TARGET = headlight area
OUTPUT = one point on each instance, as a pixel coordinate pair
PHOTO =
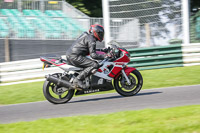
(128, 55)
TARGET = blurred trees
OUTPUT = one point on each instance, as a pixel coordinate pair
(194, 4)
(161, 16)
(194, 21)
(92, 8)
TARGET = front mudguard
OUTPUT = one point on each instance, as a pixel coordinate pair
(127, 70)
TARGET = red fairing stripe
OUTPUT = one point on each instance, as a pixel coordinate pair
(124, 58)
(60, 64)
(53, 60)
(43, 60)
(115, 71)
(99, 70)
(128, 70)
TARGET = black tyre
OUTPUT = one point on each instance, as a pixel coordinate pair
(124, 89)
(57, 94)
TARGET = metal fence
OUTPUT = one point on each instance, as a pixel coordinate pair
(42, 5)
(9, 5)
(23, 27)
(28, 19)
(62, 27)
(32, 4)
(153, 22)
(135, 23)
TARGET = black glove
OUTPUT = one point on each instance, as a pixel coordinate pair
(105, 49)
(109, 55)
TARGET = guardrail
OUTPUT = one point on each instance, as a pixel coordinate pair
(156, 57)
(191, 54)
(141, 58)
(24, 70)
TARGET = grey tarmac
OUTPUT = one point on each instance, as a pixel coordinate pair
(102, 103)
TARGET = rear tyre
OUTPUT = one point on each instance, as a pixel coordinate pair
(57, 94)
(122, 87)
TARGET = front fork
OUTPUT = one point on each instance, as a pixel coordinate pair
(126, 77)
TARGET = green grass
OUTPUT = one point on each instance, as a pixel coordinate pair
(179, 76)
(21, 93)
(184, 119)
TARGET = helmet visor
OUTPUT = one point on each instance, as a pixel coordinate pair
(101, 34)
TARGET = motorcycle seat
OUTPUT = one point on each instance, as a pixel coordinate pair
(64, 61)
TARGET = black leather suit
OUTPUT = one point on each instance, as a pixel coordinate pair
(76, 54)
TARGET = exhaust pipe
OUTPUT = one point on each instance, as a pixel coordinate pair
(58, 81)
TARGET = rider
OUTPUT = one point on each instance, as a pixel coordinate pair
(83, 46)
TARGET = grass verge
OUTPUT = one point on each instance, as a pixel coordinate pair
(179, 76)
(184, 119)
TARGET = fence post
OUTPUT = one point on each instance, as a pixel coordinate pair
(106, 20)
(185, 20)
(19, 5)
(148, 35)
(42, 6)
(7, 50)
(63, 5)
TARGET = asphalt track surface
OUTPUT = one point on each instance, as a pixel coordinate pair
(102, 103)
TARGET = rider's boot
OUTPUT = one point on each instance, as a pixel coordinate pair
(78, 81)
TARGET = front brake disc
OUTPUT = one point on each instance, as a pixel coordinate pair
(129, 87)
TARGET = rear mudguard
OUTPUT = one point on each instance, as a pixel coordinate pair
(127, 70)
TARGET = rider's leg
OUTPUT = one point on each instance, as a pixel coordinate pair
(89, 66)
(78, 81)
(83, 74)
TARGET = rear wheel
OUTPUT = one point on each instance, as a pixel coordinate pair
(124, 89)
(57, 94)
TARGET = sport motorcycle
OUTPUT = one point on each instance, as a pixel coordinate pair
(113, 73)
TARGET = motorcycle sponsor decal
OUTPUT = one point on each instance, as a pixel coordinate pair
(100, 81)
(91, 91)
(119, 63)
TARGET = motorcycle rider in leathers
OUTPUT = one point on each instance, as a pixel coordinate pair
(83, 46)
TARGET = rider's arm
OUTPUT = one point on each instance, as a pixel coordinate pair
(92, 50)
(102, 50)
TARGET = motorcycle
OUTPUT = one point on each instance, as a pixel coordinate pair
(112, 74)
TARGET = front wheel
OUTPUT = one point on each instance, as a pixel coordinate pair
(124, 89)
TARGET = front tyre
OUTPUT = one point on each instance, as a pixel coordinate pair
(57, 94)
(122, 87)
